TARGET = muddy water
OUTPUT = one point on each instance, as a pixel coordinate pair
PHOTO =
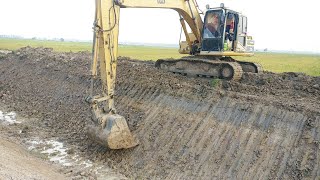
(68, 159)
(8, 118)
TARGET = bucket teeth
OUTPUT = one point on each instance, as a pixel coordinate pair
(114, 133)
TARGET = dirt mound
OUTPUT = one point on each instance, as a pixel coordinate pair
(285, 84)
(266, 125)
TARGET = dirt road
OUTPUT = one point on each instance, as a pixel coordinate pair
(17, 163)
(264, 127)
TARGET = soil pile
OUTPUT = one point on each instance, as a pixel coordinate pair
(265, 126)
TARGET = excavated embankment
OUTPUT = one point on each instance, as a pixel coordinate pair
(266, 126)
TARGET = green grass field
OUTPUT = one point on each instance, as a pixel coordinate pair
(275, 62)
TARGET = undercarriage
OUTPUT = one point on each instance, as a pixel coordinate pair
(218, 67)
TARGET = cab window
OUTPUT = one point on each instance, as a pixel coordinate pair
(242, 25)
(212, 25)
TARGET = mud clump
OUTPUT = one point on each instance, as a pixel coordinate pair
(266, 125)
(284, 84)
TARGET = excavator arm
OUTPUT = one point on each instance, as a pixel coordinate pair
(187, 9)
(111, 129)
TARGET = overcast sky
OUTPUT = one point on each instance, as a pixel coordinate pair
(274, 24)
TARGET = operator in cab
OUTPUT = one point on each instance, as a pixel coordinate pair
(211, 28)
(230, 27)
(229, 36)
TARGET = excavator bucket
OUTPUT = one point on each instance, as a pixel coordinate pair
(113, 133)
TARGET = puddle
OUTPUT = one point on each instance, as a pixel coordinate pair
(57, 152)
(54, 150)
(5, 51)
(8, 118)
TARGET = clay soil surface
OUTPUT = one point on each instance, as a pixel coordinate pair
(265, 126)
(17, 163)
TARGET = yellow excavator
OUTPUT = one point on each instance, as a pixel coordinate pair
(212, 42)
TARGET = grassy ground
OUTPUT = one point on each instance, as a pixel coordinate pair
(278, 62)
(13, 44)
(136, 52)
(275, 62)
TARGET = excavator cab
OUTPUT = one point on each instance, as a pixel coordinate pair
(213, 31)
(224, 33)
(212, 44)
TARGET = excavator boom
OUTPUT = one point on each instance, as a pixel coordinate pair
(111, 129)
(106, 31)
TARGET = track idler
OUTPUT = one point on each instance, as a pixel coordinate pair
(112, 131)
(250, 67)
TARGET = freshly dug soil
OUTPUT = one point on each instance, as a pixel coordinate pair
(264, 126)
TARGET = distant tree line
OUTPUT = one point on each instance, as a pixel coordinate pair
(33, 38)
(54, 39)
(10, 36)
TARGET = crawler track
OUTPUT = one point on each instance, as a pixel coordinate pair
(250, 67)
(202, 68)
(224, 68)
